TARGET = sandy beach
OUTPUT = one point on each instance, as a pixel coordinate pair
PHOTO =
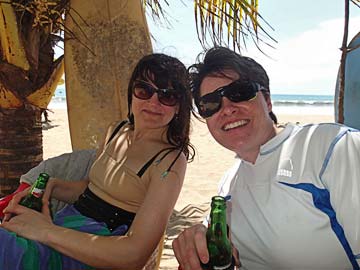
(202, 174)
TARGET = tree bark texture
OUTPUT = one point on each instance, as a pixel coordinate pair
(20, 145)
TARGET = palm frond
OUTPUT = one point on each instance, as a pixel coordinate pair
(44, 14)
(156, 9)
(224, 22)
(240, 17)
(356, 3)
(38, 25)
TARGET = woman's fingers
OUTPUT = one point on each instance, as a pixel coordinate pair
(28, 223)
(49, 189)
(9, 210)
(13, 210)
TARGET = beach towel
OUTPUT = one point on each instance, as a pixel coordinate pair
(18, 253)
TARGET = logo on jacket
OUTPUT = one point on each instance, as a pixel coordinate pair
(285, 168)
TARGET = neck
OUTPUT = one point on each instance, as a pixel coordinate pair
(150, 134)
(252, 156)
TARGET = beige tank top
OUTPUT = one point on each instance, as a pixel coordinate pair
(115, 183)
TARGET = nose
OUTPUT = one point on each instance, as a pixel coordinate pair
(227, 107)
(154, 99)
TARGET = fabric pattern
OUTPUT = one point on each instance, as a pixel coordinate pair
(18, 253)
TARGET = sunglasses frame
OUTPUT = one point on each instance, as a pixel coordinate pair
(161, 92)
(234, 91)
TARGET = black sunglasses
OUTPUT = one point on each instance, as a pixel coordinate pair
(143, 90)
(236, 91)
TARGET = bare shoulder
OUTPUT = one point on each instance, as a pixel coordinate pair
(171, 164)
(176, 158)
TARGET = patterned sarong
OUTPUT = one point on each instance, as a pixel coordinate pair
(18, 253)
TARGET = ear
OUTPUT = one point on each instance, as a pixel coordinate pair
(268, 102)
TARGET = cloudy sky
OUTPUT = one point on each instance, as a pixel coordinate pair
(306, 56)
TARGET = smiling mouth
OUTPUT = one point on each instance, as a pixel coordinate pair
(152, 112)
(235, 125)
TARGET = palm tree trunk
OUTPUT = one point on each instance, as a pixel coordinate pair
(29, 74)
(20, 145)
(344, 50)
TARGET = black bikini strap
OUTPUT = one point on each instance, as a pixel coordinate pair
(164, 174)
(147, 164)
(116, 130)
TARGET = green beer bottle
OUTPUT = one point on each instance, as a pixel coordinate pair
(33, 198)
(218, 243)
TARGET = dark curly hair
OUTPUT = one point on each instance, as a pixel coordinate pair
(164, 70)
(219, 59)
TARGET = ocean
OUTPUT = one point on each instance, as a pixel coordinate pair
(282, 103)
(303, 104)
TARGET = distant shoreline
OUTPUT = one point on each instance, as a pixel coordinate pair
(289, 108)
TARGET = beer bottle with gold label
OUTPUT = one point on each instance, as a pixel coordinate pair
(33, 198)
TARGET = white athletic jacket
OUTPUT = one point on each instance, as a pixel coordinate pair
(298, 206)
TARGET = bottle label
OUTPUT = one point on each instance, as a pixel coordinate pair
(222, 267)
(37, 192)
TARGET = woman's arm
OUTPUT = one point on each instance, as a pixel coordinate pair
(65, 191)
(123, 252)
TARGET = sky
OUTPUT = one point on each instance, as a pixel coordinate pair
(306, 57)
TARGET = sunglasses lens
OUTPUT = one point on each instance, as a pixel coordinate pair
(168, 97)
(209, 104)
(143, 91)
(240, 91)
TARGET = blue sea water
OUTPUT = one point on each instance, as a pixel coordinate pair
(60, 92)
(58, 100)
(282, 103)
(303, 104)
(302, 100)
